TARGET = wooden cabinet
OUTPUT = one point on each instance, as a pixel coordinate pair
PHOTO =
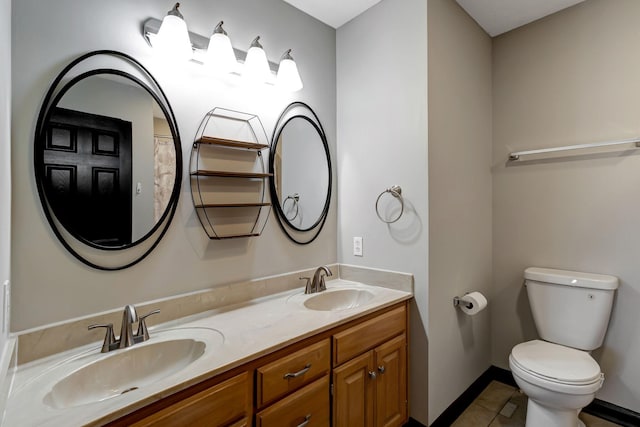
(352, 375)
(226, 404)
(353, 392)
(371, 389)
(391, 382)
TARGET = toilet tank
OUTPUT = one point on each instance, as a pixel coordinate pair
(570, 308)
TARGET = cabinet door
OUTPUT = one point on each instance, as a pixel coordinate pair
(353, 392)
(391, 382)
(225, 404)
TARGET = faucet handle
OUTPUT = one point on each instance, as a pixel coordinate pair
(109, 338)
(142, 326)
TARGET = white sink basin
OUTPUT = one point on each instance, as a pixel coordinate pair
(338, 299)
(124, 371)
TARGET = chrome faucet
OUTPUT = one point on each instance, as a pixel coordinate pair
(127, 337)
(129, 317)
(317, 284)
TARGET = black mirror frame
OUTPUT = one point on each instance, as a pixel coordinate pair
(50, 101)
(284, 223)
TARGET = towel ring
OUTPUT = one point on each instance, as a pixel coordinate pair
(396, 192)
(295, 198)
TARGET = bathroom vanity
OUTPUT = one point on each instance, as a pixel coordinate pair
(359, 369)
(336, 357)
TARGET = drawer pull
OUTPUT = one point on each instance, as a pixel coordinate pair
(381, 369)
(299, 373)
(305, 422)
(372, 375)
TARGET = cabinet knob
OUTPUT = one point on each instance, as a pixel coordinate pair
(372, 375)
(381, 369)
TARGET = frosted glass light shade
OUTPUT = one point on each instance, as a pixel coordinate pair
(220, 54)
(288, 77)
(173, 40)
(256, 67)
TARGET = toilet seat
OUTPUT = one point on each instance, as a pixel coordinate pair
(556, 367)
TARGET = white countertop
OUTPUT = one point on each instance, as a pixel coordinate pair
(237, 334)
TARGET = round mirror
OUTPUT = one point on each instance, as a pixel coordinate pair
(108, 162)
(301, 167)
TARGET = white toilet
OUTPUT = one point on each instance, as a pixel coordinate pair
(571, 311)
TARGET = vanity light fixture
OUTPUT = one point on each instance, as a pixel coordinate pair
(220, 54)
(256, 66)
(173, 37)
(288, 77)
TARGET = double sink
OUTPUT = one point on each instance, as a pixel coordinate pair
(173, 355)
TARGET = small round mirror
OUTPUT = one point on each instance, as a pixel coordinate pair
(301, 167)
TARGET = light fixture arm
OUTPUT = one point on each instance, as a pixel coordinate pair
(175, 11)
(286, 55)
(256, 43)
(219, 29)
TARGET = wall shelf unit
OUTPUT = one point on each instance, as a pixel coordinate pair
(229, 175)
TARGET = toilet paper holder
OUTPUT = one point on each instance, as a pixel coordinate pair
(460, 301)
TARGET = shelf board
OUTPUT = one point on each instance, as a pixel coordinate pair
(234, 236)
(232, 205)
(230, 143)
(225, 174)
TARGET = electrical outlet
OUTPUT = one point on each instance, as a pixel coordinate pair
(357, 246)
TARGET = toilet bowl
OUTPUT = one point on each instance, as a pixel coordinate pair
(558, 380)
(571, 311)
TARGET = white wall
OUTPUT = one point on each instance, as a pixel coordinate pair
(5, 160)
(460, 143)
(47, 36)
(382, 141)
(567, 79)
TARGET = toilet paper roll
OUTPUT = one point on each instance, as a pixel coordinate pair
(476, 299)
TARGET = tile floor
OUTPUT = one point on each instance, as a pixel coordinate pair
(501, 405)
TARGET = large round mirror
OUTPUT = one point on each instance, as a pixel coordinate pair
(108, 163)
(301, 167)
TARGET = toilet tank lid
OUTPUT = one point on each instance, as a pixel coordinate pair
(571, 278)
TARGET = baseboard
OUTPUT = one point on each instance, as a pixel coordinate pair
(599, 408)
(614, 413)
(466, 398)
(413, 423)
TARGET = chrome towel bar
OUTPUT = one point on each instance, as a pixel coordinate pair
(516, 155)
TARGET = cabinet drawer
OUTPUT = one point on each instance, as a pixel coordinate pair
(308, 405)
(225, 404)
(289, 373)
(366, 335)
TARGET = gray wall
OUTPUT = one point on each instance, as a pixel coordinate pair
(460, 139)
(50, 285)
(5, 159)
(570, 78)
(382, 141)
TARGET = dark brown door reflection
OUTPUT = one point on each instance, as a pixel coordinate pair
(87, 171)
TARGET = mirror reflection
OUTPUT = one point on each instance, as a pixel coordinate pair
(109, 161)
(301, 173)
